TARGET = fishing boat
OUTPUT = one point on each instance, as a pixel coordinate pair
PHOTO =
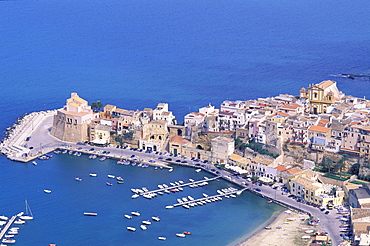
(78, 179)
(131, 228)
(119, 178)
(187, 232)
(111, 176)
(109, 184)
(28, 215)
(3, 217)
(120, 182)
(34, 163)
(90, 214)
(146, 222)
(162, 238)
(180, 235)
(155, 218)
(93, 174)
(128, 216)
(47, 191)
(135, 213)
(143, 227)
(198, 170)
(169, 207)
(103, 158)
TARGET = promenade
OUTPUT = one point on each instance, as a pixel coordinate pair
(31, 139)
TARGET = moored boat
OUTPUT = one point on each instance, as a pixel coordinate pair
(155, 218)
(143, 227)
(90, 214)
(78, 179)
(47, 191)
(130, 228)
(162, 238)
(28, 215)
(128, 216)
(180, 235)
(187, 232)
(109, 184)
(146, 222)
(111, 176)
(93, 174)
(135, 213)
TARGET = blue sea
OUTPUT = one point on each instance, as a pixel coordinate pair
(135, 54)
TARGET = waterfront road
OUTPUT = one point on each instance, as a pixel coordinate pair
(42, 142)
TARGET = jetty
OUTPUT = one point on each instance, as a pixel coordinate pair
(353, 76)
(209, 198)
(176, 186)
(7, 226)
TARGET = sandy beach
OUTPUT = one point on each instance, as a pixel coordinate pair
(286, 229)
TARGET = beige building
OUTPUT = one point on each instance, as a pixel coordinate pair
(222, 148)
(178, 145)
(154, 136)
(71, 123)
(100, 134)
(321, 96)
(311, 190)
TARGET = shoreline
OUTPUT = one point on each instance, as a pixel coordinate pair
(260, 229)
(287, 234)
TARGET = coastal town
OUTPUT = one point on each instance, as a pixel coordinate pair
(309, 152)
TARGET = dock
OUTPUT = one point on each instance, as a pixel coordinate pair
(7, 226)
(237, 192)
(178, 185)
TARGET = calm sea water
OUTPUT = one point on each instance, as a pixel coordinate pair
(135, 54)
(59, 216)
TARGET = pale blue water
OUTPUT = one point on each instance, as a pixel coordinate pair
(137, 53)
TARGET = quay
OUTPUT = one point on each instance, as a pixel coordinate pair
(7, 226)
(237, 192)
(179, 185)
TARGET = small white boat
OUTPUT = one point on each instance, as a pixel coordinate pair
(103, 158)
(111, 176)
(28, 215)
(34, 163)
(135, 213)
(185, 206)
(90, 214)
(135, 196)
(93, 174)
(162, 238)
(146, 222)
(169, 207)
(8, 240)
(47, 191)
(78, 179)
(170, 170)
(180, 235)
(155, 218)
(2, 223)
(198, 170)
(19, 222)
(131, 228)
(119, 178)
(143, 227)
(128, 216)
(9, 236)
(3, 217)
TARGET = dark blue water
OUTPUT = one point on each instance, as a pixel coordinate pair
(59, 216)
(135, 54)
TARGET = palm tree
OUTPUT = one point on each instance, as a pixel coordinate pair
(342, 163)
(327, 164)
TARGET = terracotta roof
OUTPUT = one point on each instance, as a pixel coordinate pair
(280, 168)
(283, 114)
(302, 89)
(319, 129)
(293, 170)
(179, 140)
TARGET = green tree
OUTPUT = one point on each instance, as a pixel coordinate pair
(327, 164)
(128, 135)
(355, 168)
(342, 163)
(96, 106)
